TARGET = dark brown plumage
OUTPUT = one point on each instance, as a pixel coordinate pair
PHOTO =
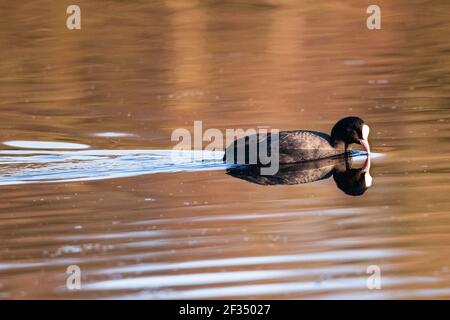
(302, 145)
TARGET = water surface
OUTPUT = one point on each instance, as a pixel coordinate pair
(140, 69)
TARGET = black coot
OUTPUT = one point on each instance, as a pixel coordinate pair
(304, 145)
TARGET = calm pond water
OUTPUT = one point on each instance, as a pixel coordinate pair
(139, 226)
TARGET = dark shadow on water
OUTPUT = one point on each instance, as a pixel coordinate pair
(352, 181)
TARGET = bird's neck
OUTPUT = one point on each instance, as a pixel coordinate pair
(340, 146)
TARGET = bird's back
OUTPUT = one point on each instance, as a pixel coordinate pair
(305, 145)
(294, 146)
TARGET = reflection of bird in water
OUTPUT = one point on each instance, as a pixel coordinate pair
(352, 181)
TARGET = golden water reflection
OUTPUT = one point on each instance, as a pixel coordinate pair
(145, 68)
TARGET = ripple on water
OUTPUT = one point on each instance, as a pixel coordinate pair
(113, 134)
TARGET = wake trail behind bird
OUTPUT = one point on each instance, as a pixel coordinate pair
(40, 166)
(49, 166)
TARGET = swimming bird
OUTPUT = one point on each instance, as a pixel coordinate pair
(302, 145)
(352, 181)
